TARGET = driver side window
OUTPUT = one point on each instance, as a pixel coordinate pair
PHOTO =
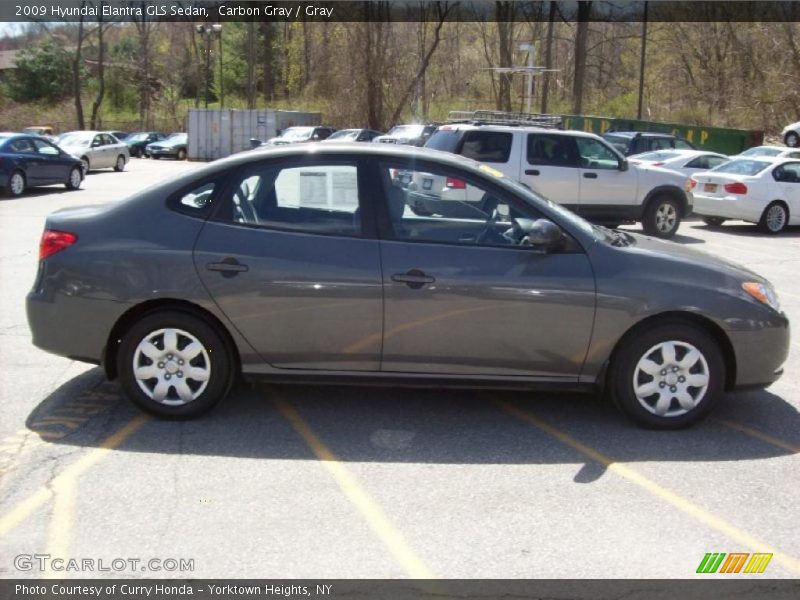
(438, 205)
(594, 155)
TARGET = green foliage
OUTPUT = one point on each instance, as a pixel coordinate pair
(42, 73)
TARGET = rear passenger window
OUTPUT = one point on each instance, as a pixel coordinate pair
(23, 145)
(487, 146)
(553, 150)
(314, 198)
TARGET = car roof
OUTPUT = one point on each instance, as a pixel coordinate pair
(513, 128)
(632, 134)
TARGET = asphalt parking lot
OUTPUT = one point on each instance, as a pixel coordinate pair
(336, 482)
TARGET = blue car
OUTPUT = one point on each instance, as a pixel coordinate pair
(29, 160)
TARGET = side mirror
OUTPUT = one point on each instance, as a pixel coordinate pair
(623, 165)
(255, 143)
(542, 234)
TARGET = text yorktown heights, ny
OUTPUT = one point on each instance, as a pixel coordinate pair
(172, 590)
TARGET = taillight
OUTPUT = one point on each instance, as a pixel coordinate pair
(735, 188)
(55, 241)
(690, 184)
(455, 184)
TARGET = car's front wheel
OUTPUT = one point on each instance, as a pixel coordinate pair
(181, 154)
(662, 217)
(792, 139)
(668, 377)
(74, 179)
(174, 364)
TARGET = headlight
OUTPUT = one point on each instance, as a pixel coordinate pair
(762, 292)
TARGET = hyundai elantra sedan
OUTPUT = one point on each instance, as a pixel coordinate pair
(306, 264)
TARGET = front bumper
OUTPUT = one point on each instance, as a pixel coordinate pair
(761, 352)
(168, 152)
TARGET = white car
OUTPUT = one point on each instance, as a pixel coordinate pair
(769, 152)
(96, 149)
(687, 162)
(758, 190)
(791, 135)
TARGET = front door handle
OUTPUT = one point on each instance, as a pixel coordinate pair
(228, 266)
(531, 171)
(414, 279)
(590, 175)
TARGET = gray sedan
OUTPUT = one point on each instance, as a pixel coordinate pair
(96, 149)
(306, 264)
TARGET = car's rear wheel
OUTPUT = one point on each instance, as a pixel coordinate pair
(792, 139)
(775, 218)
(173, 364)
(662, 217)
(120, 164)
(713, 221)
(87, 166)
(154, 156)
(74, 179)
(16, 184)
(181, 154)
(668, 377)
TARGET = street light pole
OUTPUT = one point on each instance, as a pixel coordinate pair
(208, 32)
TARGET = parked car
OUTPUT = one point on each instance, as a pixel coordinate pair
(769, 152)
(96, 149)
(791, 135)
(638, 142)
(761, 190)
(578, 170)
(304, 264)
(30, 160)
(120, 135)
(686, 162)
(137, 142)
(172, 147)
(353, 135)
(297, 135)
(42, 130)
(413, 134)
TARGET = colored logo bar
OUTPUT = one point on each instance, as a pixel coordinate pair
(735, 562)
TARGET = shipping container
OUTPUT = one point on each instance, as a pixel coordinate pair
(715, 139)
(217, 133)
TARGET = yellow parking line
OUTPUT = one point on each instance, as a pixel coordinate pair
(655, 489)
(760, 435)
(367, 506)
(66, 493)
(24, 509)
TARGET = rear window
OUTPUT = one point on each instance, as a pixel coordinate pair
(759, 151)
(742, 167)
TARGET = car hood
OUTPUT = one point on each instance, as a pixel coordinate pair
(691, 258)
(792, 126)
(661, 174)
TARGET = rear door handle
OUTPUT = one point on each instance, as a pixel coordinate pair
(590, 175)
(414, 279)
(531, 172)
(227, 266)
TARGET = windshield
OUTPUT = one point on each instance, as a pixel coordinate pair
(76, 139)
(620, 143)
(297, 133)
(742, 167)
(762, 151)
(136, 137)
(406, 131)
(345, 134)
(659, 155)
(177, 138)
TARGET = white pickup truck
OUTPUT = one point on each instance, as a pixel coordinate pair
(578, 170)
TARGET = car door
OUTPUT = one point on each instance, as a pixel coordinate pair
(607, 186)
(463, 297)
(550, 168)
(29, 159)
(787, 178)
(111, 149)
(97, 153)
(54, 167)
(290, 261)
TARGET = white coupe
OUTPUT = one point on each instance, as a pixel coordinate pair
(687, 162)
(758, 190)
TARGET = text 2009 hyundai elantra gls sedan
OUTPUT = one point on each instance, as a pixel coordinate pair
(305, 264)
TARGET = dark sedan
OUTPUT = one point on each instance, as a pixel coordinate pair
(305, 264)
(30, 160)
(137, 142)
(172, 147)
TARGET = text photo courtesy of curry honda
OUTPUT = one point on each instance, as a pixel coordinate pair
(399, 299)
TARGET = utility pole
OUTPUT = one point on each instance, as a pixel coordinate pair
(641, 64)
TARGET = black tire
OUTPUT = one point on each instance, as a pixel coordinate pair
(181, 154)
(14, 188)
(139, 153)
(713, 221)
(119, 165)
(74, 178)
(637, 347)
(771, 220)
(154, 157)
(215, 359)
(792, 139)
(662, 217)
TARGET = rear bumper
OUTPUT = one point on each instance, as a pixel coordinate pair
(728, 207)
